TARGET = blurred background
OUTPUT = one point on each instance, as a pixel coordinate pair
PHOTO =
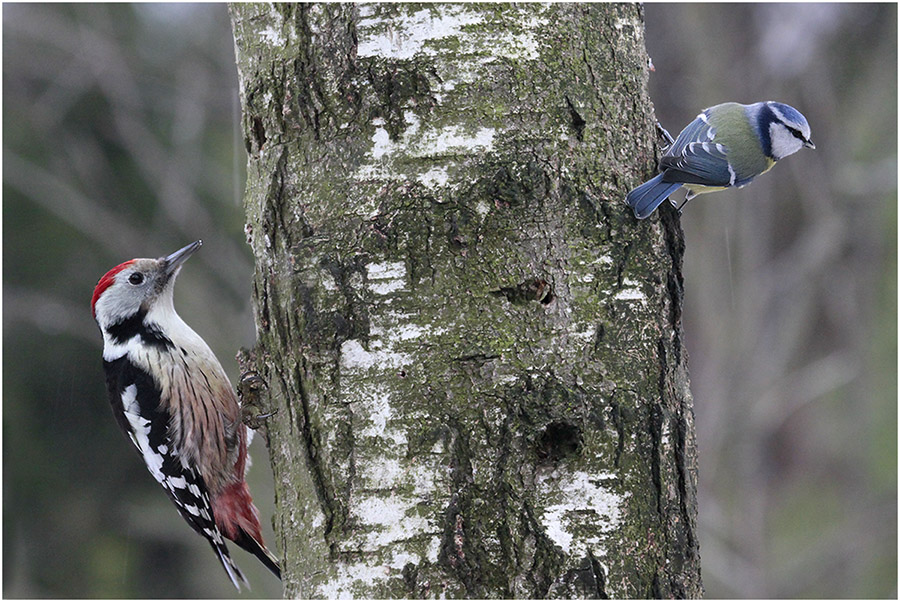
(121, 138)
(790, 310)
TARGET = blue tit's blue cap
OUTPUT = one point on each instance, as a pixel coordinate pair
(789, 113)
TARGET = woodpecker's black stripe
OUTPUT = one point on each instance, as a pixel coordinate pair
(128, 328)
(147, 425)
(120, 374)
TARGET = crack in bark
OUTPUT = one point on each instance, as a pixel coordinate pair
(599, 578)
(304, 428)
(655, 429)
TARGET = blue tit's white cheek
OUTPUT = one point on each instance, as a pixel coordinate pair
(784, 143)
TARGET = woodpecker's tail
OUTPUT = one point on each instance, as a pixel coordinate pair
(237, 518)
(648, 196)
(234, 573)
(258, 549)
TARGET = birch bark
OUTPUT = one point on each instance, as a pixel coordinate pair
(473, 348)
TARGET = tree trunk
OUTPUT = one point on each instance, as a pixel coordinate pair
(472, 347)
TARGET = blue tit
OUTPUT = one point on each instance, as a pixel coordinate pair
(726, 145)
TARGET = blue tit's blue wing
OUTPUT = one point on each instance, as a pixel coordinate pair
(703, 163)
(698, 130)
(695, 158)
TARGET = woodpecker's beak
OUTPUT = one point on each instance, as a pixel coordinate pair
(173, 262)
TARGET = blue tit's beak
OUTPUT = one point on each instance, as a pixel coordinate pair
(809, 144)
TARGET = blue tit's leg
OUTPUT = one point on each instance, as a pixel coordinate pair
(665, 135)
(687, 197)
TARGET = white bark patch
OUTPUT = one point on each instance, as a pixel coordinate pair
(387, 157)
(404, 332)
(359, 574)
(328, 282)
(524, 45)
(453, 137)
(585, 336)
(630, 294)
(434, 177)
(405, 36)
(580, 511)
(389, 520)
(482, 208)
(272, 37)
(381, 143)
(355, 357)
(375, 407)
(387, 277)
(417, 142)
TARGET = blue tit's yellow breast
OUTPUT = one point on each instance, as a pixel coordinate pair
(695, 189)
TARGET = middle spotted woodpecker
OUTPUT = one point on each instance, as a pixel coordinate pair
(172, 398)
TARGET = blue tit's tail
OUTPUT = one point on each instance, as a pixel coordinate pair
(647, 197)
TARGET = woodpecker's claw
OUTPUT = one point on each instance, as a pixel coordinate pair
(252, 382)
(255, 422)
(250, 390)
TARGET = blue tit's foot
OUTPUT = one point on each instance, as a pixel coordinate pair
(662, 131)
(687, 198)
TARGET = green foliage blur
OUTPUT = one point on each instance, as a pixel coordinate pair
(121, 138)
(791, 299)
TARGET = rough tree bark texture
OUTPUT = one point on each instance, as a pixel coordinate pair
(473, 348)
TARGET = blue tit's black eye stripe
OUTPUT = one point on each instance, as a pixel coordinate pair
(797, 133)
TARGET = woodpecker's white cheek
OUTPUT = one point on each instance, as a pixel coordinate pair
(118, 300)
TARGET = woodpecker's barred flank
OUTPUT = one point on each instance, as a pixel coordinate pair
(171, 397)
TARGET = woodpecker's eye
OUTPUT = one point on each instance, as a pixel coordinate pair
(136, 278)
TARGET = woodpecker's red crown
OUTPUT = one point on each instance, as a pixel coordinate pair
(105, 282)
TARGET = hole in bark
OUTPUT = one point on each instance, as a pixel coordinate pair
(559, 440)
(578, 121)
(259, 132)
(530, 290)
